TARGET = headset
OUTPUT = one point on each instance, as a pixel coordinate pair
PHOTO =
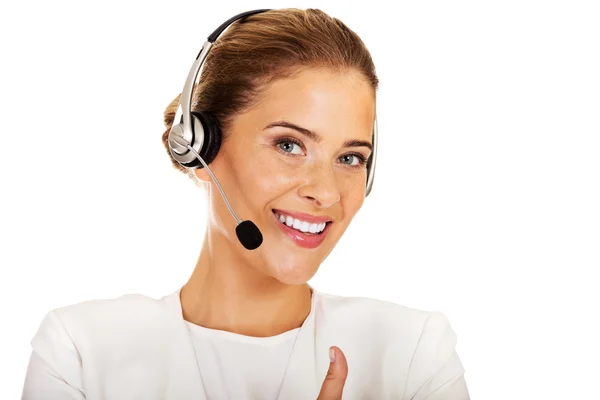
(195, 141)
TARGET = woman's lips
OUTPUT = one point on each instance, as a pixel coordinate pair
(304, 217)
(302, 240)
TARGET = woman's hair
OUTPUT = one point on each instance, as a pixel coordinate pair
(263, 47)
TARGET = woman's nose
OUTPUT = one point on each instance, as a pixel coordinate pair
(321, 187)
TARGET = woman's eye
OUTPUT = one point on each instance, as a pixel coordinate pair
(290, 147)
(352, 159)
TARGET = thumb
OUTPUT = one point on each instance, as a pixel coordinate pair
(333, 385)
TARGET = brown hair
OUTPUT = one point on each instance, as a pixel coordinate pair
(267, 46)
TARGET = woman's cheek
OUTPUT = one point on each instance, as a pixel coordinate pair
(276, 176)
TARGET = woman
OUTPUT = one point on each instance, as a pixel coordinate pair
(286, 109)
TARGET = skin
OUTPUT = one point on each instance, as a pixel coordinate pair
(264, 292)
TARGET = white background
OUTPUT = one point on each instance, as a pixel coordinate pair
(485, 205)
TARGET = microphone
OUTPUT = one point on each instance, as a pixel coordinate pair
(246, 231)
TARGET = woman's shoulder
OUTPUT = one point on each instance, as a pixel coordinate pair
(115, 311)
(111, 334)
(102, 320)
(119, 306)
(422, 343)
(375, 311)
(427, 333)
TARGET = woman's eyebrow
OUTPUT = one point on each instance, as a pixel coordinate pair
(306, 132)
(316, 137)
(358, 143)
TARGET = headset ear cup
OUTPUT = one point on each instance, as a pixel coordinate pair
(212, 136)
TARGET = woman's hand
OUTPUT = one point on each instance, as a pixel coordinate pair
(333, 385)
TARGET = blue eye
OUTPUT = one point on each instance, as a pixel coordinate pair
(354, 160)
(289, 146)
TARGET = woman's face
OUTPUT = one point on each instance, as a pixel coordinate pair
(298, 155)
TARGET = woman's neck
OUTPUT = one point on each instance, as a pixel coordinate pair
(226, 293)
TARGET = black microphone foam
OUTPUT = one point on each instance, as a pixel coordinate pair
(249, 235)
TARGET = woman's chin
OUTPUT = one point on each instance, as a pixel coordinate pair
(293, 274)
(290, 262)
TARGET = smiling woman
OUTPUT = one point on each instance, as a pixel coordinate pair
(300, 131)
(297, 90)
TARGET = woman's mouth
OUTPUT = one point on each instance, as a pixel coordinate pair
(306, 234)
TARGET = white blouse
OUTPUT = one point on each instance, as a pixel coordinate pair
(245, 367)
(136, 347)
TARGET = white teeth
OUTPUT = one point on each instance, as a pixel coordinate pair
(300, 225)
(304, 226)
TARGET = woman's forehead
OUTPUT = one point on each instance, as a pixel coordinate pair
(319, 100)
